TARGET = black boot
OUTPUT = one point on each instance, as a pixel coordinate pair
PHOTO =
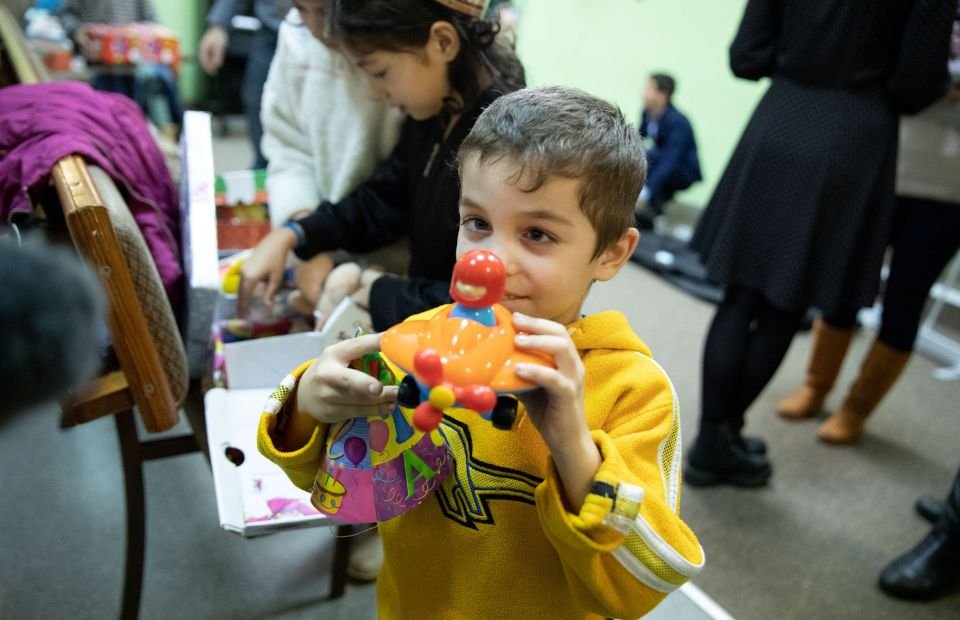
(717, 457)
(930, 508)
(932, 568)
(928, 571)
(753, 445)
(749, 443)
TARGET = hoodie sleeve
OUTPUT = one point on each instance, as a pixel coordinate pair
(299, 462)
(627, 548)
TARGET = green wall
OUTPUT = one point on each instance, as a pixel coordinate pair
(608, 47)
(186, 18)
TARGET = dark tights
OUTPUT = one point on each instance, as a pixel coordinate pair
(745, 345)
(926, 235)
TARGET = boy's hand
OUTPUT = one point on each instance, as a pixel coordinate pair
(557, 410)
(331, 391)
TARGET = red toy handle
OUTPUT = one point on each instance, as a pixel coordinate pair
(428, 366)
(426, 417)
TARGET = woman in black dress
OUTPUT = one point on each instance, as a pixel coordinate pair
(803, 211)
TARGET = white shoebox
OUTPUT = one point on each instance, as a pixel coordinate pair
(254, 496)
(199, 237)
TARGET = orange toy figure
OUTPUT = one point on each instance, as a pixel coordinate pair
(463, 355)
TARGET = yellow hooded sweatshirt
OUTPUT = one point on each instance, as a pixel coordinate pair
(496, 540)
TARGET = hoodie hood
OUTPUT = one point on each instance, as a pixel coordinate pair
(606, 330)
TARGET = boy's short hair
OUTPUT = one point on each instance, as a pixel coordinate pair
(665, 84)
(560, 131)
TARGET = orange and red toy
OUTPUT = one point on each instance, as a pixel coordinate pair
(464, 355)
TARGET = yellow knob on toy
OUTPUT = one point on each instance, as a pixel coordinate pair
(442, 397)
(231, 278)
(231, 283)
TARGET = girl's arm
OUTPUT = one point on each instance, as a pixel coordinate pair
(394, 299)
(371, 216)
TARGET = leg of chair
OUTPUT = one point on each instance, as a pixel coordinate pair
(341, 557)
(136, 514)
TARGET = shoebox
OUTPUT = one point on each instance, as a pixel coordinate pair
(254, 496)
(124, 44)
(199, 237)
(243, 212)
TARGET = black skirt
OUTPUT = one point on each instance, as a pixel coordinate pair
(803, 211)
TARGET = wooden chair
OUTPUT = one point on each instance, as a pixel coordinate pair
(152, 377)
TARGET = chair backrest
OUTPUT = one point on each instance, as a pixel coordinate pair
(153, 365)
(17, 64)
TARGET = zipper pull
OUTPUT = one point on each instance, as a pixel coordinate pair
(433, 155)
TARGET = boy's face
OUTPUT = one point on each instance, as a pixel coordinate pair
(543, 238)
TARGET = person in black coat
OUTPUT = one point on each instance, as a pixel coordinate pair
(802, 213)
(672, 152)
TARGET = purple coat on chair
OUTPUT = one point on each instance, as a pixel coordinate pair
(42, 123)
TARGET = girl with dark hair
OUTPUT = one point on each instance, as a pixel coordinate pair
(440, 64)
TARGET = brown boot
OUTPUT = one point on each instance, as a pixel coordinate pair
(880, 370)
(826, 356)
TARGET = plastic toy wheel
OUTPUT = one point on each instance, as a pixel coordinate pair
(504, 413)
(409, 392)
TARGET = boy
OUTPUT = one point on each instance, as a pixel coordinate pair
(574, 513)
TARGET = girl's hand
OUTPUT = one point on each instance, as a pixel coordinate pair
(264, 267)
(361, 296)
(557, 409)
(342, 282)
(331, 391)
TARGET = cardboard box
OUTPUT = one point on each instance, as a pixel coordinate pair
(253, 495)
(123, 44)
(199, 236)
(243, 216)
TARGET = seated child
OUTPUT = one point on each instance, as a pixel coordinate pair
(574, 513)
